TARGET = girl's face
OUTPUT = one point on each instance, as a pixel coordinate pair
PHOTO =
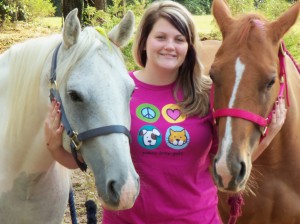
(166, 47)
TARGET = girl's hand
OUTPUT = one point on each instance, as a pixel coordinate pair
(53, 135)
(53, 128)
(278, 119)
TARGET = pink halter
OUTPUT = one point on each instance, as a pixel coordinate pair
(248, 115)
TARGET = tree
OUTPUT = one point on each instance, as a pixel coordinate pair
(100, 4)
(69, 5)
(57, 4)
(240, 6)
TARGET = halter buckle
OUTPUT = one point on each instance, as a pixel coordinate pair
(75, 141)
(53, 85)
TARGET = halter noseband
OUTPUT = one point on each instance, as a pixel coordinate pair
(250, 116)
(77, 139)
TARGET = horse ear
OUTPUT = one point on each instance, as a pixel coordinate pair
(222, 14)
(122, 32)
(71, 29)
(280, 26)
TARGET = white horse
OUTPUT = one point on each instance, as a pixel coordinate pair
(95, 90)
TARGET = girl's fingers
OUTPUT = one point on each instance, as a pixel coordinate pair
(277, 110)
(282, 104)
(274, 116)
(60, 129)
(282, 110)
(279, 113)
(54, 111)
(56, 121)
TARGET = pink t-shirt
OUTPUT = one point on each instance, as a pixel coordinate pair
(171, 153)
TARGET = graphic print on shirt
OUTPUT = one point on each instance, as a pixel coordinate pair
(172, 114)
(177, 137)
(149, 137)
(148, 113)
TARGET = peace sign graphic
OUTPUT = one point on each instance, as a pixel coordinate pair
(147, 112)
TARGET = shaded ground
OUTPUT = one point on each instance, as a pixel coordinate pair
(18, 33)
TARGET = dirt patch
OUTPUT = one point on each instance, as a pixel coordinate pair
(83, 191)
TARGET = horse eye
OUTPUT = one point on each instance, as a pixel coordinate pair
(271, 83)
(75, 96)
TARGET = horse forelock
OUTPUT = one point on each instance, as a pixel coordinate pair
(245, 27)
(87, 38)
(75, 53)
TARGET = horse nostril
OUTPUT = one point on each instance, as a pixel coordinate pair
(242, 173)
(113, 192)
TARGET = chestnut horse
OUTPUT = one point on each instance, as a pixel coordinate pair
(248, 75)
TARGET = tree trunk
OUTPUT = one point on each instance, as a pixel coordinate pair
(69, 5)
(100, 4)
(124, 6)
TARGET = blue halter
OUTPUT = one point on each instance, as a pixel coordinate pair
(77, 139)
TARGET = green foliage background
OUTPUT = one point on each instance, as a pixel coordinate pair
(27, 10)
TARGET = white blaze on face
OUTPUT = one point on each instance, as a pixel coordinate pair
(221, 166)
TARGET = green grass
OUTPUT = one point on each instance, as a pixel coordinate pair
(54, 23)
(204, 23)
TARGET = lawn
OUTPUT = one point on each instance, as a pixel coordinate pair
(204, 23)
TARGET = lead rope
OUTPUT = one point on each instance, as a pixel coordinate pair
(72, 207)
(91, 212)
(235, 201)
(91, 209)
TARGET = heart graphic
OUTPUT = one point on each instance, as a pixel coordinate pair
(173, 114)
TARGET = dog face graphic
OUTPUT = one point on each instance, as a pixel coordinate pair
(149, 137)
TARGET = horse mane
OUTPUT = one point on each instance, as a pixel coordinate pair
(246, 24)
(26, 63)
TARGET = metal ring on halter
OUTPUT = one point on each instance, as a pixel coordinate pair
(75, 141)
(53, 85)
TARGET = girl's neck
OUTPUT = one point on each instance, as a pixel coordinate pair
(158, 77)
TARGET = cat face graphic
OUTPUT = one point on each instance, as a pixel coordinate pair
(177, 137)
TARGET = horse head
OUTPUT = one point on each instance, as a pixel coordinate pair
(247, 82)
(95, 90)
